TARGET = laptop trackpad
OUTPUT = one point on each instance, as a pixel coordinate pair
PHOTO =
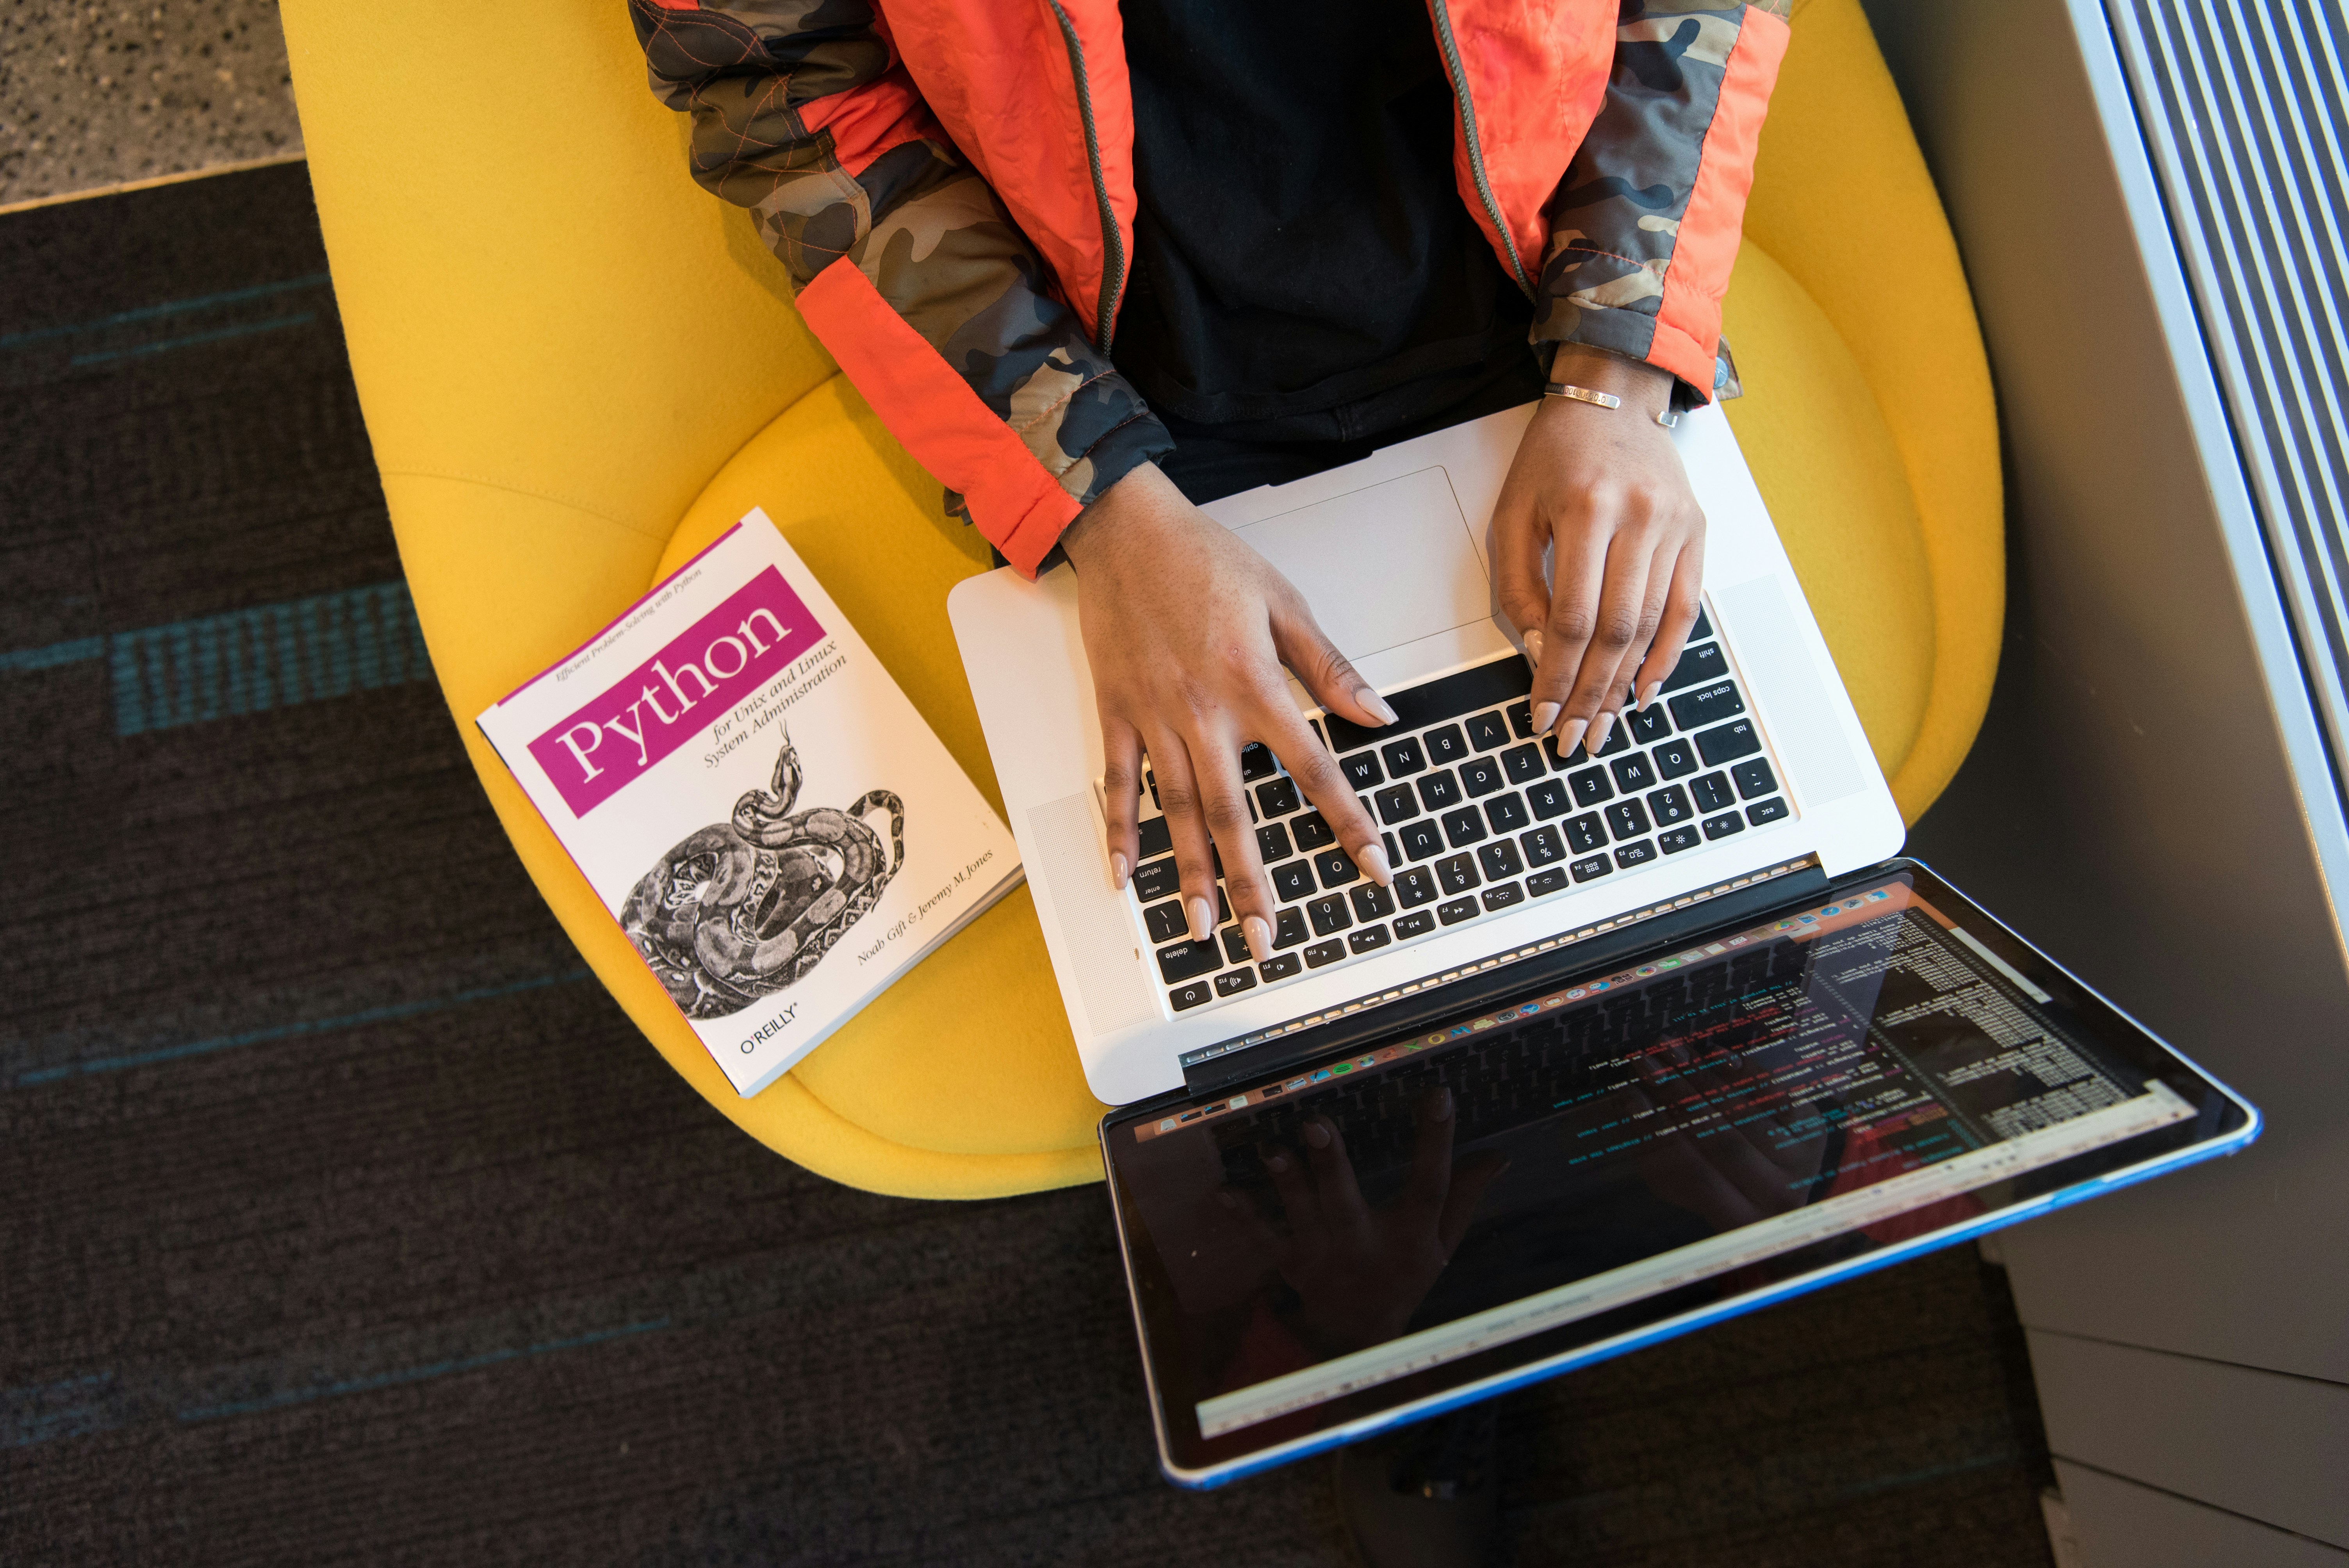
(1382, 566)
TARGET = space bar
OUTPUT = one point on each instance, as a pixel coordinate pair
(1504, 679)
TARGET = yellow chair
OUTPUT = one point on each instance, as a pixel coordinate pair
(577, 367)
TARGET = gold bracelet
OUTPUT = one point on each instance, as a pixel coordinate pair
(1668, 419)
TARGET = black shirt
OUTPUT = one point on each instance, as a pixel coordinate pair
(1304, 269)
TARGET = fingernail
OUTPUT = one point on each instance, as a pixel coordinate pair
(1376, 704)
(1597, 736)
(1203, 919)
(1276, 1164)
(1316, 1135)
(1443, 1109)
(1226, 1200)
(1534, 648)
(1258, 936)
(1570, 736)
(1373, 859)
(1117, 871)
(1544, 715)
(1649, 695)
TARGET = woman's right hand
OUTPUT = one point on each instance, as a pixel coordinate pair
(1186, 629)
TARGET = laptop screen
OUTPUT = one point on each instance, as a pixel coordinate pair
(1589, 1161)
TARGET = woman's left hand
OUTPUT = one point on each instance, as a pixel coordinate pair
(1603, 489)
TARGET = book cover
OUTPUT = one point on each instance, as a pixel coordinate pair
(754, 801)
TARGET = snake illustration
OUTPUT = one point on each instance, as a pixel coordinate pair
(743, 908)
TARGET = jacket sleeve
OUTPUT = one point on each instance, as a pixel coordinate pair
(905, 264)
(1644, 227)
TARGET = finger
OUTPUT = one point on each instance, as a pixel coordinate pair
(1597, 697)
(1321, 669)
(1431, 1152)
(1241, 1211)
(1223, 806)
(1297, 1198)
(1333, 1176)
(1121, 797)
(1469, 1184)
(1178, 797)
(1655, 589)
(1580, 566)
(1323, 782)
(1519, 538)
(1682, 602)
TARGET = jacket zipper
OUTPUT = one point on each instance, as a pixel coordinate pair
(1113, 283)
(1468, 125)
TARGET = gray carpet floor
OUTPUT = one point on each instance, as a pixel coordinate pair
(346, 1220)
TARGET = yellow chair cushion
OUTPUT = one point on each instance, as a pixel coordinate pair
(576, 367)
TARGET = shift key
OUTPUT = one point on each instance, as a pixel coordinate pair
(1707, 704)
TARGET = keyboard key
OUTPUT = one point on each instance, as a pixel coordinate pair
(1500, 860)
(1763, 811)
(1541, 885)
(1480, 776)
(1703, 627)
(1465, 826)
(1411, 926)
(1362, 769)
(1439, 790)
(1322, 952)
(1523, 764)
(1593, 866)
(1150, 782)
(1319, 734)
(1396, 803)
(1502, 897)
(1272, 843)
(1365, 940)
(1521, 719)
(1542, 846)
(1677, 758)
(1627, 821)
(1590, 786)
(1648, 724)
(1189, 960)
(1311, 830)
(1445, 744)
(1697, 666)
(1422, 839)
(1632, 773)
(1617, 740)
(1394, 852)
(1372, 902)
(1223, 904)
(1280, 968)
(1157, 880)
(1754, 779)
(1670, 806)
(1403, 757)
(1711, 792)
(1558, 764)
(1453, 873)
(1548, 798)
(1583, 833)
(1232, 982)
(1165, 921)
(1721, 827)
(1638, 854)
(1235, 945)
(1706, 705)
(1415, 887)
(1328, 915)
(1458, 910)
(1156, 837)
(1257, 762)
(1288, 927)
(1277, 797)
(1190, 996)
(1507, 812)
(1337, 867)
(1679, 838)
(1486, 731)
(1292, 880)
(1728, 743)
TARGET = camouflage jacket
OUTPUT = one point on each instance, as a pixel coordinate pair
(972, 162)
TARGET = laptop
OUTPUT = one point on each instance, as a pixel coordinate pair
(1634, 1041)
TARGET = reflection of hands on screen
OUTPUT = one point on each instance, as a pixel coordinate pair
(1746, 1168)
(1360, 1273)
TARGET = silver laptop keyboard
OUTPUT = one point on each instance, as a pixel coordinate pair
(1479, 817)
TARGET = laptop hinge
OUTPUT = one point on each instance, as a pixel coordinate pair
(1402, 1009)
